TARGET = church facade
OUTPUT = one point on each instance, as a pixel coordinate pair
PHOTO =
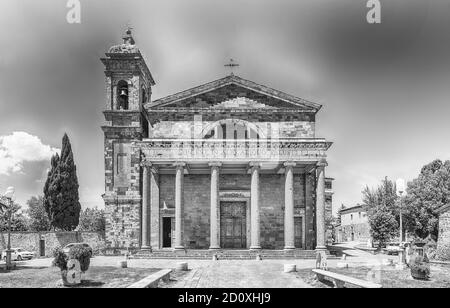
(230, 164)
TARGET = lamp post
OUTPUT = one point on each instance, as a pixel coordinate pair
(9, 195)
(401, 192)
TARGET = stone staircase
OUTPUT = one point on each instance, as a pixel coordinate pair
(225, 254)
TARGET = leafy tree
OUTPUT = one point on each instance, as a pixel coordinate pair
(18, 221)
(92, 220)
(383, 211)
(61, 199)
(38, 216)
(384, 194)
(425, 194)
(383, 225)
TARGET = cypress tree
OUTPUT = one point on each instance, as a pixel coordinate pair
(61, 198)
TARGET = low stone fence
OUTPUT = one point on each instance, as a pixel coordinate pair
(43, 243)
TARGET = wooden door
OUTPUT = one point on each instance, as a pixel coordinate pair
(42, 248)
(233, 227)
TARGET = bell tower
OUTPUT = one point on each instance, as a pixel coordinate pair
(128, 88)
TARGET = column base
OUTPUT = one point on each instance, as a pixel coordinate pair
(179, 248)
(214, 248)
(321, 248)
(289, 248)
(146, 248)
(253, 248)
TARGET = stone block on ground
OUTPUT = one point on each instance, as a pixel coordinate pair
(122, 264)
(182, 266)
(289, 268)
(387, 262)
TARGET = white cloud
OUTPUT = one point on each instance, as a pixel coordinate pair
(20, 147)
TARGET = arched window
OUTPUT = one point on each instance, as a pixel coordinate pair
(122, 95)
(231, 129)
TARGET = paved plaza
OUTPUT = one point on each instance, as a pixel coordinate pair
(223, 273)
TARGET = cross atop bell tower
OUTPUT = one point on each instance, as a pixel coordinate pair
(128, 37)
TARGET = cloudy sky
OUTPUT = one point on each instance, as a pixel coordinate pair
(384, 88)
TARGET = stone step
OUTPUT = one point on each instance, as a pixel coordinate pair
(225, 254)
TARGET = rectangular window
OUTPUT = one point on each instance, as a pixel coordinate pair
(224, 131)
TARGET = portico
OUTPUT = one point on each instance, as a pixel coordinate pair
(235, 218)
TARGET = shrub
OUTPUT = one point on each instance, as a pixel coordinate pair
(443, 252)
(60, 259)
(420, 267)
(99, 249)
(82, 254)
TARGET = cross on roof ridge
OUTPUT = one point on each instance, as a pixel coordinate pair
(231, 66)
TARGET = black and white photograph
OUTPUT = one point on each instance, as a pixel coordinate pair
(220, 150)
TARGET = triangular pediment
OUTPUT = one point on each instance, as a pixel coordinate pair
(233, 92)
(242, 103)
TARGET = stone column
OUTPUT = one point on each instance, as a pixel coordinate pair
(214, 221)
(145, 208)
(289, 242)
(254, 207)
(154, 207)
(320, 205)
(179, 177)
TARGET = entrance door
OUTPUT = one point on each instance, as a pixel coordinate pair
(298, 232)
(167, 232)
(42, 248)
(233, 227)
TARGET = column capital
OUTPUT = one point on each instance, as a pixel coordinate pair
(322, 163)
(215, 164)
(290, 164)
(254, 164)
(146, 163)
(149, 166)
(179, 164)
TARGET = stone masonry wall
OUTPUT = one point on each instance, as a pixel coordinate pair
(444, 229)
(361, 232)
(31, 240)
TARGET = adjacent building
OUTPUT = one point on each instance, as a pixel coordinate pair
(229, 164)
(354, 225)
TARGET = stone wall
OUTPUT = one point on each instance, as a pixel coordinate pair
(31, 240)
(361, 232)
(444, 229)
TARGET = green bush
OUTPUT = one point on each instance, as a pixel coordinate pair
(82, 254)
(420, 267)
(60, 259)
(443, 252)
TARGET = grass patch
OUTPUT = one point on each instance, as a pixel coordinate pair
(95, 277)
(389, 277)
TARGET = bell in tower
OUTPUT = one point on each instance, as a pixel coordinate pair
(122, 97)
